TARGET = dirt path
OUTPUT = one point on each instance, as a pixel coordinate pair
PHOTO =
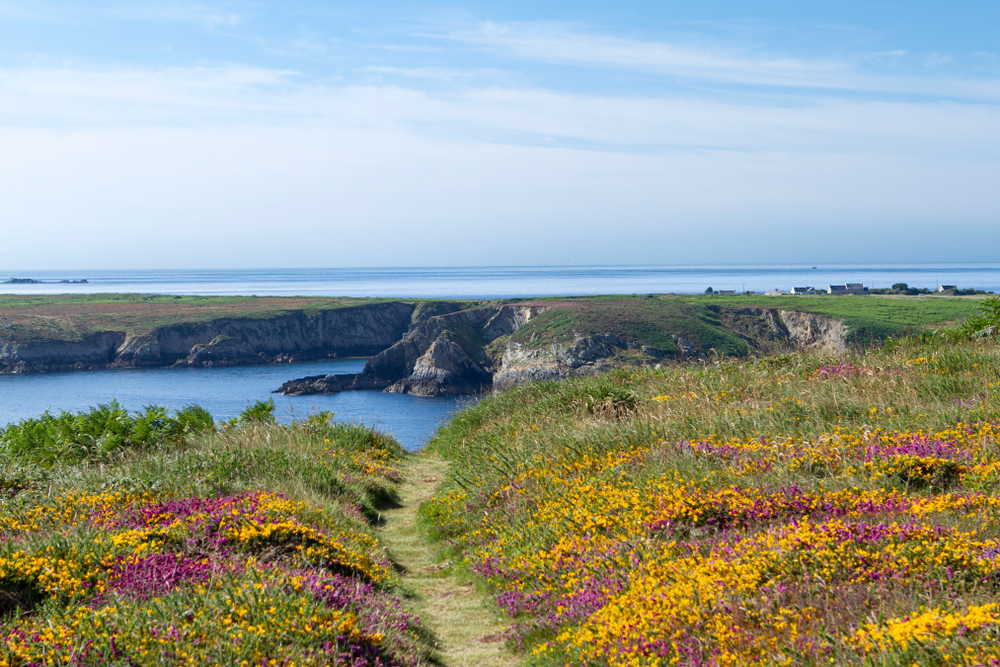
(469, 634)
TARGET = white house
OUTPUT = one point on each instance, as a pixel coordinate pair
(849, 288)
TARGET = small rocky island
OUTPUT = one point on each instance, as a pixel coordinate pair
(32, 281)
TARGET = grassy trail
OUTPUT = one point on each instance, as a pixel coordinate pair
(468, 633)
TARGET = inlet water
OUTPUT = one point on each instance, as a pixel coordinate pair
(225, 392)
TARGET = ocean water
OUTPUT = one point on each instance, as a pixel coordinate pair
(225, 392)
(499, 282)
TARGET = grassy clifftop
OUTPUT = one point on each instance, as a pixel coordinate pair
(708, 321)
(652, 320)
(74, 317)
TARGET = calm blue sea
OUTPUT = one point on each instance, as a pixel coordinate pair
(493, 283)
(226, 391)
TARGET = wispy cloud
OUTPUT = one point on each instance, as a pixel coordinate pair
(489, 113)
(559, 43)
(719, 63)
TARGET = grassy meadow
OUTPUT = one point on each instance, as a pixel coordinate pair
(153, 539)
(789, 510)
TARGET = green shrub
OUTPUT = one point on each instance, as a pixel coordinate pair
(986, 322)
(259, 412)
(98, 433)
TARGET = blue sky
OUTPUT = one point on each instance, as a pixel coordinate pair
(243, 134)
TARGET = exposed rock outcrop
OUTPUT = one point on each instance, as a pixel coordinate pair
(772, 330)
(317, 384)
(360, 330)
(809, 331)
(586, 355)
(464, 352)
(446, 355)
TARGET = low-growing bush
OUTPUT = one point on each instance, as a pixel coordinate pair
(99, 433)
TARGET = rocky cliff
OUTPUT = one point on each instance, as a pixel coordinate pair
(446, 355)
(472, 350)
(774, 330)
(360, 330)
(586, 355)
(96, 351)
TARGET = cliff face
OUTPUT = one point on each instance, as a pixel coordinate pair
(809, 331)
(447, 355)
(465, 352)
(94, 352)
(351, 331)
(773, 330)
(584, 356)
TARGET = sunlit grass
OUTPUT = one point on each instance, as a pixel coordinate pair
(788, 510)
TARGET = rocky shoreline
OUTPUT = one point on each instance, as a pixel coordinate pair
(457, 353)
(439, 348)
(353, 331)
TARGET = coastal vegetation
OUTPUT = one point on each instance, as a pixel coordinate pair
(790, 509)
(246, 543)
(656, 320)
(73, 317)
(730, 509)
(27, 319)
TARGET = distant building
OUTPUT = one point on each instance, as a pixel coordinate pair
(726, 291)
(803, 290)
(947, 288)
(849, 288)
(775, 292)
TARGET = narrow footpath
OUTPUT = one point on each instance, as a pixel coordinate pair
(468, 633)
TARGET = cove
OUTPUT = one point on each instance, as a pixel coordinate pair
(225, 392)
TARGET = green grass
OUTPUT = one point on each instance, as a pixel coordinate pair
(656, 320)
(554, 488)
(646, 321)
(871, 318)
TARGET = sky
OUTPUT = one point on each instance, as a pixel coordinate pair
(327, 134)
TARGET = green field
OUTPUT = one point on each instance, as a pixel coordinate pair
(655, 319)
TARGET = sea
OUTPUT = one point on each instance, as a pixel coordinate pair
(411, 419)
